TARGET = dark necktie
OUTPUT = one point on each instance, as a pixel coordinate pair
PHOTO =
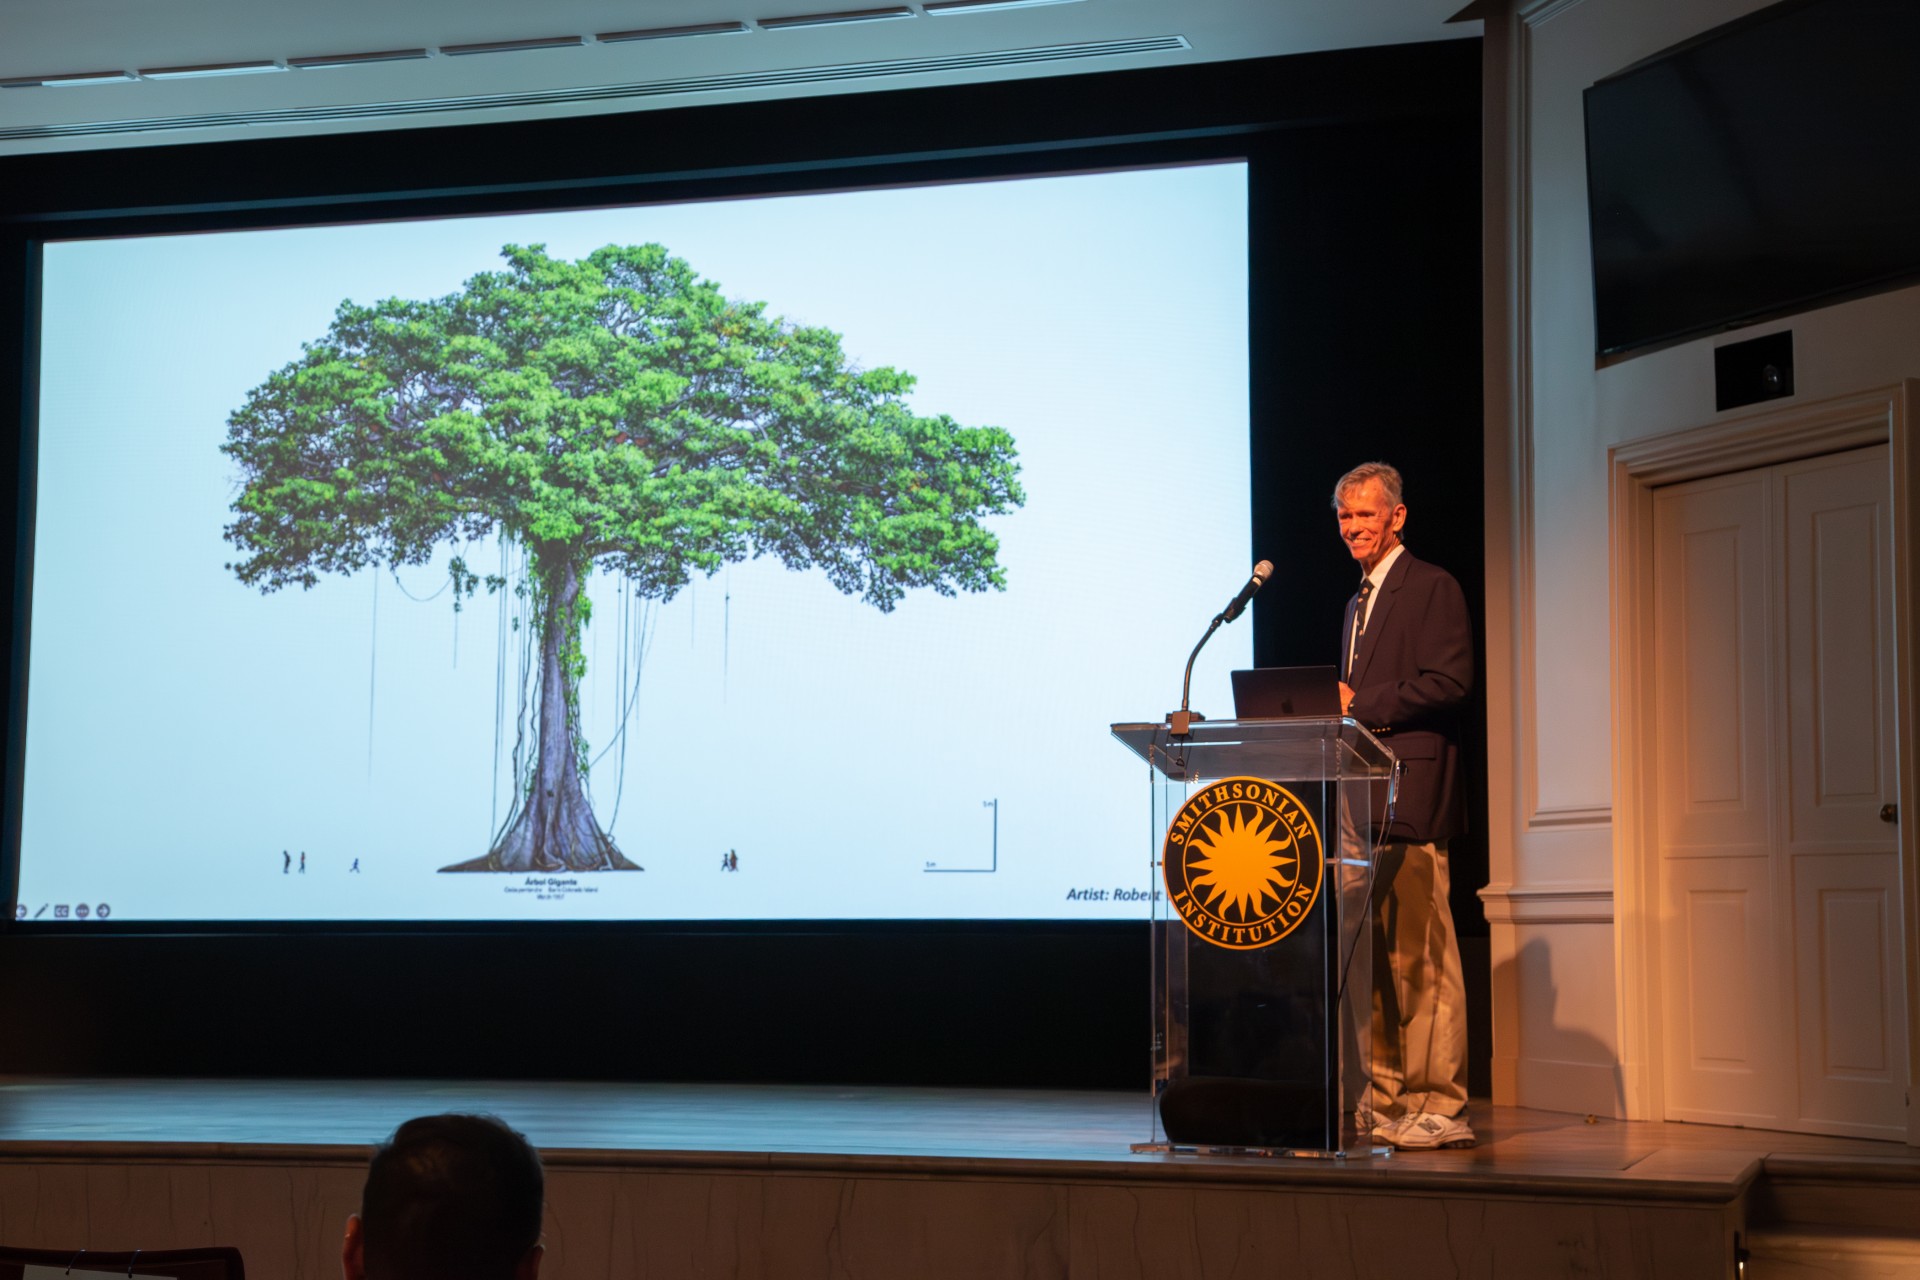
(1359, 622)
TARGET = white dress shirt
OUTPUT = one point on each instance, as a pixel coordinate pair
(1364, 613)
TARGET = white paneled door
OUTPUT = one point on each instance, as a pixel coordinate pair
(1782, 988)
(1713, 675)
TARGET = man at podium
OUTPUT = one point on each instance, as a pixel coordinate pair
(1406, 668)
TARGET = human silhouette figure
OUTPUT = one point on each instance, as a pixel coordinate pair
(303, 862)
(355, 868)
(733, 860)
(286, 862)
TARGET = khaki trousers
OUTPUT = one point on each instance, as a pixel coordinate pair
(1419, 998)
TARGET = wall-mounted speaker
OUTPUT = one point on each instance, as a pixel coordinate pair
(1754, 370)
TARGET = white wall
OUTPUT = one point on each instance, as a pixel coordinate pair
(1551, 418)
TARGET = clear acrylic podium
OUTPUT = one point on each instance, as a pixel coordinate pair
(1263, 863)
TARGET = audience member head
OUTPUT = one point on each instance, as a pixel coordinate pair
(453, 1197)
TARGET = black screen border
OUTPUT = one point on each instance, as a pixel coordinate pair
(1205, 149)
(1348, 150)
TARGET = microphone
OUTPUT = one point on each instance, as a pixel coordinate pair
(1261, 572)
(1182, 720)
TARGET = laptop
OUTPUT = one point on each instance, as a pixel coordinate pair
(1280, 693)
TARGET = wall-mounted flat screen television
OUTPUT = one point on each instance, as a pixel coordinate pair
(1766, 166)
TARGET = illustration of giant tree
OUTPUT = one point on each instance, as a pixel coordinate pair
(617, 412)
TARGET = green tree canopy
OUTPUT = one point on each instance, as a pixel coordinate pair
(618, 412)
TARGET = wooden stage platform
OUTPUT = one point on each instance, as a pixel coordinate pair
(652, 1180)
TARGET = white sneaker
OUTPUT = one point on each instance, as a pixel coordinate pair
(1425, 1131)
(1375, 1124)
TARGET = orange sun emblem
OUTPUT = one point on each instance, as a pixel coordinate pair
(1243, 863)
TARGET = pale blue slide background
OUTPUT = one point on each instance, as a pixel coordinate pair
(183, 730)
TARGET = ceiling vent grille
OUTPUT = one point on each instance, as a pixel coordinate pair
(610, 93)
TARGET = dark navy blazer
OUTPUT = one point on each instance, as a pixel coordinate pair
(1410, 681)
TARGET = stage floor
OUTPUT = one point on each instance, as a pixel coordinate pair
(794, 1183)
(1010, 1133)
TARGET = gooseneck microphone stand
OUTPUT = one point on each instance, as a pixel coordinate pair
(1181, 721)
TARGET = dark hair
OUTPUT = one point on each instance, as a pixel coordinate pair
(453, 1197)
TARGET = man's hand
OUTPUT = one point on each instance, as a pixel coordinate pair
(1346, 697)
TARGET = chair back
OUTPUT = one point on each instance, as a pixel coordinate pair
(213, 1263)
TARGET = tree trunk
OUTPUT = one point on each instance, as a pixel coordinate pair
(552, 827)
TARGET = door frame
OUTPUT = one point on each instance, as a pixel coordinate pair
(1634, 469)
